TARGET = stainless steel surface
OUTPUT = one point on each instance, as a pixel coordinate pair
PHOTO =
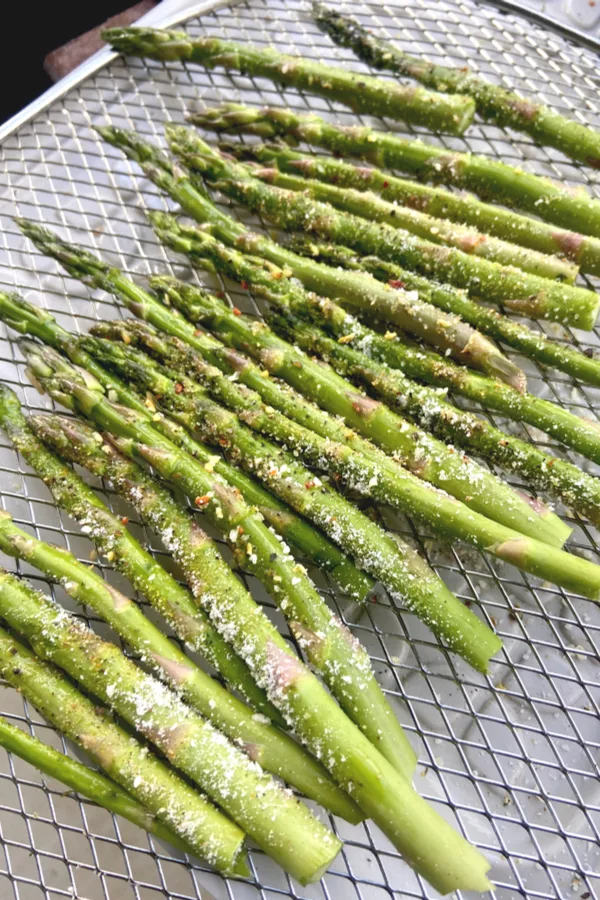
(511, 758)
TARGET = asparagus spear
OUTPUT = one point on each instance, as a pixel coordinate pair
(293, 211)
(28, 319)
(287, 478)
(369, 205)
(274, 750)
(281, 826)
(531, 343)
(489, 178)
(85, 781)
(345, 665)
(425, 406)
(116, 543)
(362, 93)
(136, 769)
(424, 455)
(281, 472)
(447, 332)
(378, 789)
(467, 209)
(493, 103)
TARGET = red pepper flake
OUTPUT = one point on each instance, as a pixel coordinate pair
(272, 472)
(178, 388)
(198, 332)
(223, 442)
(202, 501)
(245, 285)
(236, 311)
(125, 520)
(396, 283)
(309, 484)
(220, 295)
(277, 275)
(550, 463)
(386, 184)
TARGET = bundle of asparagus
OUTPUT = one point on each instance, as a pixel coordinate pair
(369, 205)
(427, 457)
(489, 178)
(282, 473)
(180, 351)
(493, 103)
(446, 332)
(378, 789)
(519, 291)
(274, 750)
(464, 479)
(283, 827)
(26, 318)
(193, 819)
(362, 93)
(580, 249)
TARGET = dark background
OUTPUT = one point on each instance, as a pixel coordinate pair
(30, 32)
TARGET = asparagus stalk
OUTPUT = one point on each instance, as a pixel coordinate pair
(281, 826)
(362, 93)
(136, 769)
(353, 761)
(345, 665)
(493, 103)
(531, 343)
(28, 319)
(115, 542)
(287, 478)
(293, 211)
(426, 406)
(267, 745)
(282, 473)
(489, 178)
(85, 781)
(449, 333)
(426, 456)
(369, 205)
(466, 209)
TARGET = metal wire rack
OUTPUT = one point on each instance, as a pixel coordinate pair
(511, 758)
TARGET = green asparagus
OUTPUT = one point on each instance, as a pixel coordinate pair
(581, 365)
(493, 103)
(428, 407)
(28, 319)
(467, 209)
(293, 211)
(449, 333)
(489, 178)
(281, 472)
(362, 93)
(425, 365)
(282, 827)
(153, 784)
(424, 455)
(345, 665)
(393, 565)
(85, 781)
(116, 543)
(353, 761)
(369, 205)
(274, 750)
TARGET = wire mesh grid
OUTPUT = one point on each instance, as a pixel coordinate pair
(510, 758)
